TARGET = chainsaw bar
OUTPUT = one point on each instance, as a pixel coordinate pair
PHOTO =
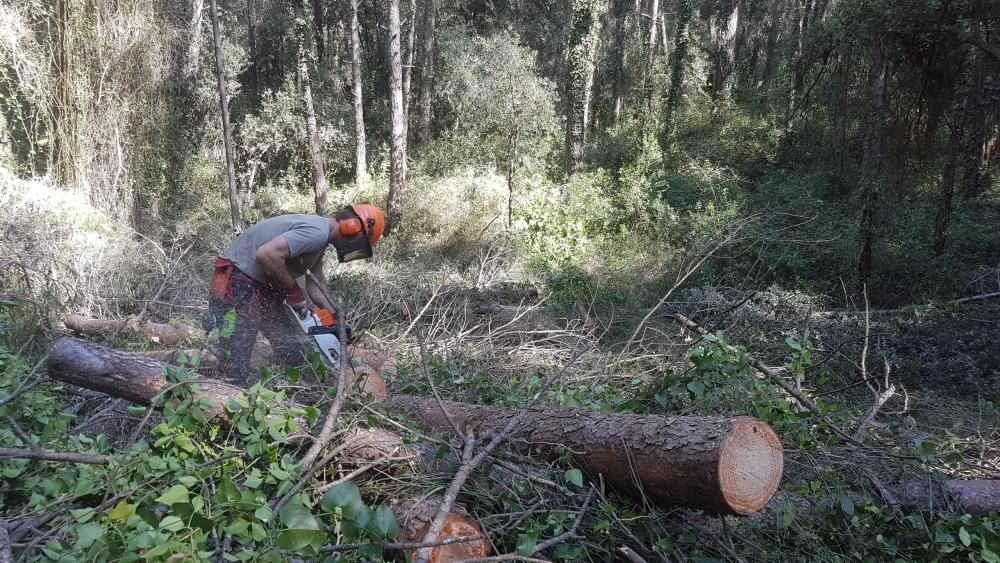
(325, 341)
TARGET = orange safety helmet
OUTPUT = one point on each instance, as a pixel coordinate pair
(372, 219)
(369, 222)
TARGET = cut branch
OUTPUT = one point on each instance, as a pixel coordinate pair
(45, 455)
(165, 334)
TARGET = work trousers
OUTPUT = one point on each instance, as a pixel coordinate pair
(249, 307)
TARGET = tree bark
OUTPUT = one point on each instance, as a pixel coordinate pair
(317, 6)
(194, 48)
(227, 135)
(252, 47)
(584, 31)
(408, 68)
(798, 71)
(320, 186)
(681, 41)
(427, 74)
(728, 465)
(621, 13)
(654, 13)
(161, 333)
(397, 180)
(978, 497)
(871, 176)
(360, 150)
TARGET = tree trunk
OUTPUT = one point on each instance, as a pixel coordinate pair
(728, 23)
(360, 151)
(427, 74)
(677, 62)
(773, 31)
(320, 185)
(194, 48)
(977, 497)
(654, 13)
(227, 135)
(511, 171)
(397, 180)
(163, 334)
(621, 13)
(798, 72)
(728, 465)
(408, 68)
(252, 47)
(942, 215)
(582, 46)
(871, 179)
(317, 6)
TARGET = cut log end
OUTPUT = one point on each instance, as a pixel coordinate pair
(751, 462)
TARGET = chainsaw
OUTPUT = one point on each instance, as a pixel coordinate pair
(322, 326)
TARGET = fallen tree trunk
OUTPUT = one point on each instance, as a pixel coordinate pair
(978, 497)
(728, 465)
(165, 334)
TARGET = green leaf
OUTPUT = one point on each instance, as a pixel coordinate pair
(121, 512)
(187, 480)
(82, 515)
(253, 481)
(384, 524)
(175, 495)
(171, 524)
(137, 411)
(263, 514)
(228, 490)
(963, 535)
(87, 534)
(296, 516)
(344, 494)
(371, 552)
(697, 388)
(989, 556)
(574, 476)
(526, 544)
(847, 504)
(297, 540)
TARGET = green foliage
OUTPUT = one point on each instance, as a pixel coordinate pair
(572, 284)
(185, 488)
(500, 111)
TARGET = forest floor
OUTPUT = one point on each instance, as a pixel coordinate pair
(475, 328)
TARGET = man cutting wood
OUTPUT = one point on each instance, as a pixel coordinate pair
(260, 271)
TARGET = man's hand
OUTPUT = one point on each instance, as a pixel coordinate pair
(296, 299)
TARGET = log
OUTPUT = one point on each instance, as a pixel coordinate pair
(165, 334)
(974, 496)
(415, 517)
(730, 465)
(139, 379)
(123, 375)
(727, 465)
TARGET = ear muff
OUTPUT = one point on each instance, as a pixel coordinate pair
(351, 227)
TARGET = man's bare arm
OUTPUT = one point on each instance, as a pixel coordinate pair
(271, 257)
(315, 292)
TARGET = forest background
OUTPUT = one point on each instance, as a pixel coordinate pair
(773, 168)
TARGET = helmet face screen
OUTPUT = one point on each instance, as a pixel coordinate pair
(354, 248)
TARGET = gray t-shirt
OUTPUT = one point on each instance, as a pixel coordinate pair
(307, 236)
